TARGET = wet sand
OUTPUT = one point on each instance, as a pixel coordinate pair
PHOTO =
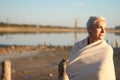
(40, 62)
(34, 63)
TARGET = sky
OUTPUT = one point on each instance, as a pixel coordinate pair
(59, 12)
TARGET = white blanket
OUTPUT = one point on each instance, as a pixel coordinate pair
(93, 62)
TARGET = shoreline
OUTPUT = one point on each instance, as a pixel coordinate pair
(4, 49)
(22, 29)
(8, 49)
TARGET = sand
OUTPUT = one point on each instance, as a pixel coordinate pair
(39, 62)
(33, 63)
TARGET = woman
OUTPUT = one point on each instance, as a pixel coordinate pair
(91, 58)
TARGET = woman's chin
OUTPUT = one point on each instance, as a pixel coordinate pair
(101, 38)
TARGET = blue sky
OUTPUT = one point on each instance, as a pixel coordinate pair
(59, 12)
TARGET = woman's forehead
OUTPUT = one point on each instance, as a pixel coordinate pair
(100, 22)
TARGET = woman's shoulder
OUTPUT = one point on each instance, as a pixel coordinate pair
(82, 43)
(108, 47)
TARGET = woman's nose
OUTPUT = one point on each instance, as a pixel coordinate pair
(103, 30)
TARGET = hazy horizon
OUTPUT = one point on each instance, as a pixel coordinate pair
(59, 13)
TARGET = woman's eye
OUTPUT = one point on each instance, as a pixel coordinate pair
(98, 27)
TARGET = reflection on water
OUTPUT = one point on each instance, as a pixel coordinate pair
(49, 38)
(76, 36)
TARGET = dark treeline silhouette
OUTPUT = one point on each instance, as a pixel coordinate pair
(3, 24)
(117, 27)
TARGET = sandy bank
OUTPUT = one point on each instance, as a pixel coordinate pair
(40, 62)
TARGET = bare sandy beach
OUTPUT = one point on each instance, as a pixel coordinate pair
(34, 63)
(40, 62)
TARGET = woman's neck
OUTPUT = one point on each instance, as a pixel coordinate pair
(91, 40)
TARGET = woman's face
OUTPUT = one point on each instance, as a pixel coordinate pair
(97, 31)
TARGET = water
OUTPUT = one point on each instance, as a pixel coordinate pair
(49, 38)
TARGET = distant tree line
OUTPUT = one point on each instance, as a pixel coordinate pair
(3, 24)
(117, 27)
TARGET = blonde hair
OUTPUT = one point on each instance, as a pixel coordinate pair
(93, 19)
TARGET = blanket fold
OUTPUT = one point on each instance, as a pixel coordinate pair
(93, 62)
